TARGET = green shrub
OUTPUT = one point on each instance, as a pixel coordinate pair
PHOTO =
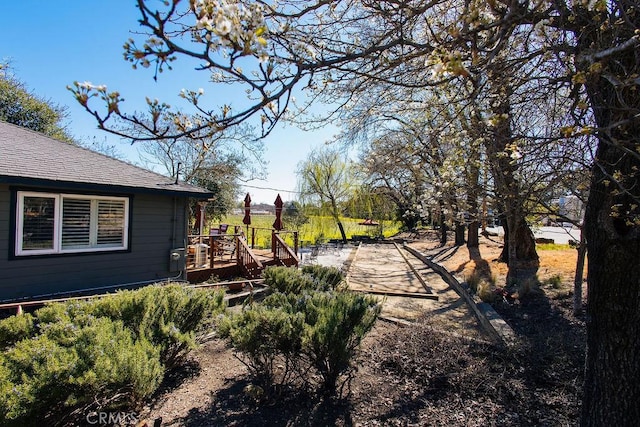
(484, 288)
(6, 392)
(336, 324)
(486, 292)
(116, 360)
(552, 246)
(287, 280)
(328, 277)
(269, 338)
(555, 281)
(102, 353)
(309, 278)
(15, 328)
(35, 371)
(171, 317)
(527, 288)
(50, 377)
(290, 336)
(473, 280)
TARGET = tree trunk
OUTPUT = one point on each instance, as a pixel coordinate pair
(443, 225)
(443, 232)
(336, 216)
(519, 248)
(473, 240)
(504, 255)
(612, 221)
(612, 375)
(459, 228)
(342, 233)
(473, 190)
(577, 280)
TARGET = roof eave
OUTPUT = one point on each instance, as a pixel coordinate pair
(88, 186)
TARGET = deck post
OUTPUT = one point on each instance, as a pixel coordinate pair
(253, 237)
(273, 244)
(295, 242)
(212, 244)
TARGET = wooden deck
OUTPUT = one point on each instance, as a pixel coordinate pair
(229, 256)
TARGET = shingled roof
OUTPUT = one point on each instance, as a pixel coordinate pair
(31, 158)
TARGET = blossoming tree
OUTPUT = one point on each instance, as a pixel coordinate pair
(584, 50)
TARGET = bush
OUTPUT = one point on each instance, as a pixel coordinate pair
(473, 280)
(328, 277)
(314, 332)
(171, 317)
(270, 338)
(336, 324)
(75, 366)
(486, 292)
(6, 391)
(309, 278)
(105, 352)
(483, 287)
(527, 288)
(287, 280)
(15, 328)
(554, 281)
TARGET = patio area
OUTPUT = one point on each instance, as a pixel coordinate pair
(228, 255)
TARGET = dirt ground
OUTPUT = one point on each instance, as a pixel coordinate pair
(418, 374)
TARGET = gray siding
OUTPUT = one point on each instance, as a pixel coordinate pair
(4, 233)
(151, 236)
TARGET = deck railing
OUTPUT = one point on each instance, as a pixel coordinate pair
(248, 262)
(222, 250)
(219, 249)
(282, 252)
(209, 251)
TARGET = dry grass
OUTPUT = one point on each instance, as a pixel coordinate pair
(560, 262)
(557, 261)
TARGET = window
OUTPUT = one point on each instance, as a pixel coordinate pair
(66, 223)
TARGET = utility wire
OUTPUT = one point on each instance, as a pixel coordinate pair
(270, 188)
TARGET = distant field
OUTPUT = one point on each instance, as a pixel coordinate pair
(318, 228)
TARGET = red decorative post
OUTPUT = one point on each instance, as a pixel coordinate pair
(277, 224)
(247, 212)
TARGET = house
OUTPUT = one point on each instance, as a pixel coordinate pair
(72, 220)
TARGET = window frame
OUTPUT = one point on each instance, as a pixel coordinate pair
(57, 249)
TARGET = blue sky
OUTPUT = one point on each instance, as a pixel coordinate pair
(51, 44)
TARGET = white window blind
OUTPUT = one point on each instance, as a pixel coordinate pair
(60, 223)
(111, 220)
(76, 223)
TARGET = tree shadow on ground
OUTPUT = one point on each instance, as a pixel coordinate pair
(232, 406)
(460, 382)
(552, 343)
(444, 254)
(173, 379)
(495, 238)
(481, 269)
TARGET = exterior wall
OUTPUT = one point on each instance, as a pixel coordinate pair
(153, 233)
